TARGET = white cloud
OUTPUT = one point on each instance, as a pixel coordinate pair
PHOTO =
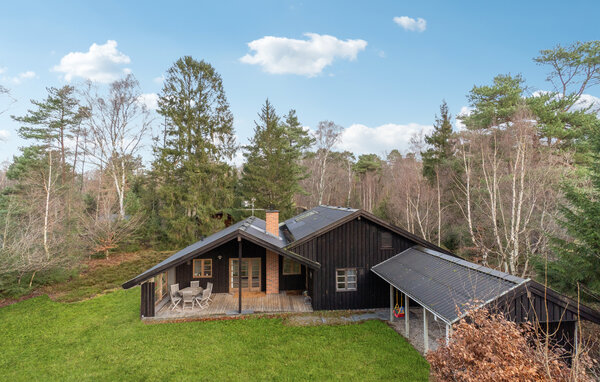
(585, 101)
(464, 112)
(150, 100)
(281, 55)
(2, 69)
(19, 77)
(361, 139)
(159, 80)
(27, 74)
(101, 63)
(410, 24)
(4, 135)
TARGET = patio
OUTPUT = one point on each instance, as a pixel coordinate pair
(224, 304)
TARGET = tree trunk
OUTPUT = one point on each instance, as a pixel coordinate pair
(439, 205)
(48, 190)
(31, 281)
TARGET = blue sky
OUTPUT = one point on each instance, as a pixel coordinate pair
(382, 80)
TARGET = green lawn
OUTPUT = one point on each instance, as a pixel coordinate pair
(103, 339)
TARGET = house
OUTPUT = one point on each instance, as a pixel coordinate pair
(343, 258)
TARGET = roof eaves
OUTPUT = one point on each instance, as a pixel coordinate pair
(441, 316)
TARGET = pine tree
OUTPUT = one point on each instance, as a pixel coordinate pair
(578, 258)
(272, 172)
(440, 145)
(194, 180)
(52, 122)
(437, 157)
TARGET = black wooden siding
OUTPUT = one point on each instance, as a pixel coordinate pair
(292, 282)
(530, 304)
(355, 244)
(220, 279)
(147, 300)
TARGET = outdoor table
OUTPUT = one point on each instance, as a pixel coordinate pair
(191, 290)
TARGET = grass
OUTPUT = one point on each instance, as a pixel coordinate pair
(103, 339)
(105, 277)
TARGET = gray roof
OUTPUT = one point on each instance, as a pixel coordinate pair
(315, 219)
(443, 284)
(252, 226)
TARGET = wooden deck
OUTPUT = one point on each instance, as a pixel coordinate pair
(227, 304)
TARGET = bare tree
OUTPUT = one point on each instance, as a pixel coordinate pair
(507, 188)
(117, 123)
(327, 135)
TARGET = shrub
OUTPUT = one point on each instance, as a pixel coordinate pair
(487, 347)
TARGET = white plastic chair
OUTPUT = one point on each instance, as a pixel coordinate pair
(195, 284)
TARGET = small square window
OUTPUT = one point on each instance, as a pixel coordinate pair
(346, 279)
(386, 240)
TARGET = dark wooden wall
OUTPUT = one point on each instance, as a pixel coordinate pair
(220, 279)
(527, 303)
(355, 244)
(292, 282)
(147, 300)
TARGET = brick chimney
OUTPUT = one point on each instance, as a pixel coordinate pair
(273, 222)
(272, 260)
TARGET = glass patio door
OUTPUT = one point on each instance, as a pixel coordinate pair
(250, 275)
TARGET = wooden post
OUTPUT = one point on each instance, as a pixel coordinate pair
(240, 274)
(406, 316)
(447, 334)
(425, 331)
(391, 303)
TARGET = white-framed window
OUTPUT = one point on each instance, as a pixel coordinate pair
(291, 267)
(202, 268)
(345, 279)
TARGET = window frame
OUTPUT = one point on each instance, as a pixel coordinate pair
(292, 264)
(346, 282)
(381, 241)
(202, 264)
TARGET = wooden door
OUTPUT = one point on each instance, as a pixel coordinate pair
(251, 275)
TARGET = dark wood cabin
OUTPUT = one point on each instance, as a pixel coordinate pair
(343, 258)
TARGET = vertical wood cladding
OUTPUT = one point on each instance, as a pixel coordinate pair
(527, 303)
(220, 275)
(292, 282)
(147, 299)
(356, 244)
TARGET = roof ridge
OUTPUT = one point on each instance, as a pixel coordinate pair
(475, 267)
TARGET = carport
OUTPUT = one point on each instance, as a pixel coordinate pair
(447, 287)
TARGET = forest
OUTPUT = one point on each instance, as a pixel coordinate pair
(513, 184)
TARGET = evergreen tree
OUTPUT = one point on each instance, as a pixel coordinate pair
(494, 104)
(440, 145)
(272, 171)
(52, 122)
(578, 258)
(194, 181)
(437, 158)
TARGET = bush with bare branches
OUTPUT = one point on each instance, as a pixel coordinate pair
(488, 347)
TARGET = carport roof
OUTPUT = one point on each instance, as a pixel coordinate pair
(443, 284)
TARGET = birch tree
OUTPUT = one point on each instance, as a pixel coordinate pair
(117, 123)
(326, 136)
